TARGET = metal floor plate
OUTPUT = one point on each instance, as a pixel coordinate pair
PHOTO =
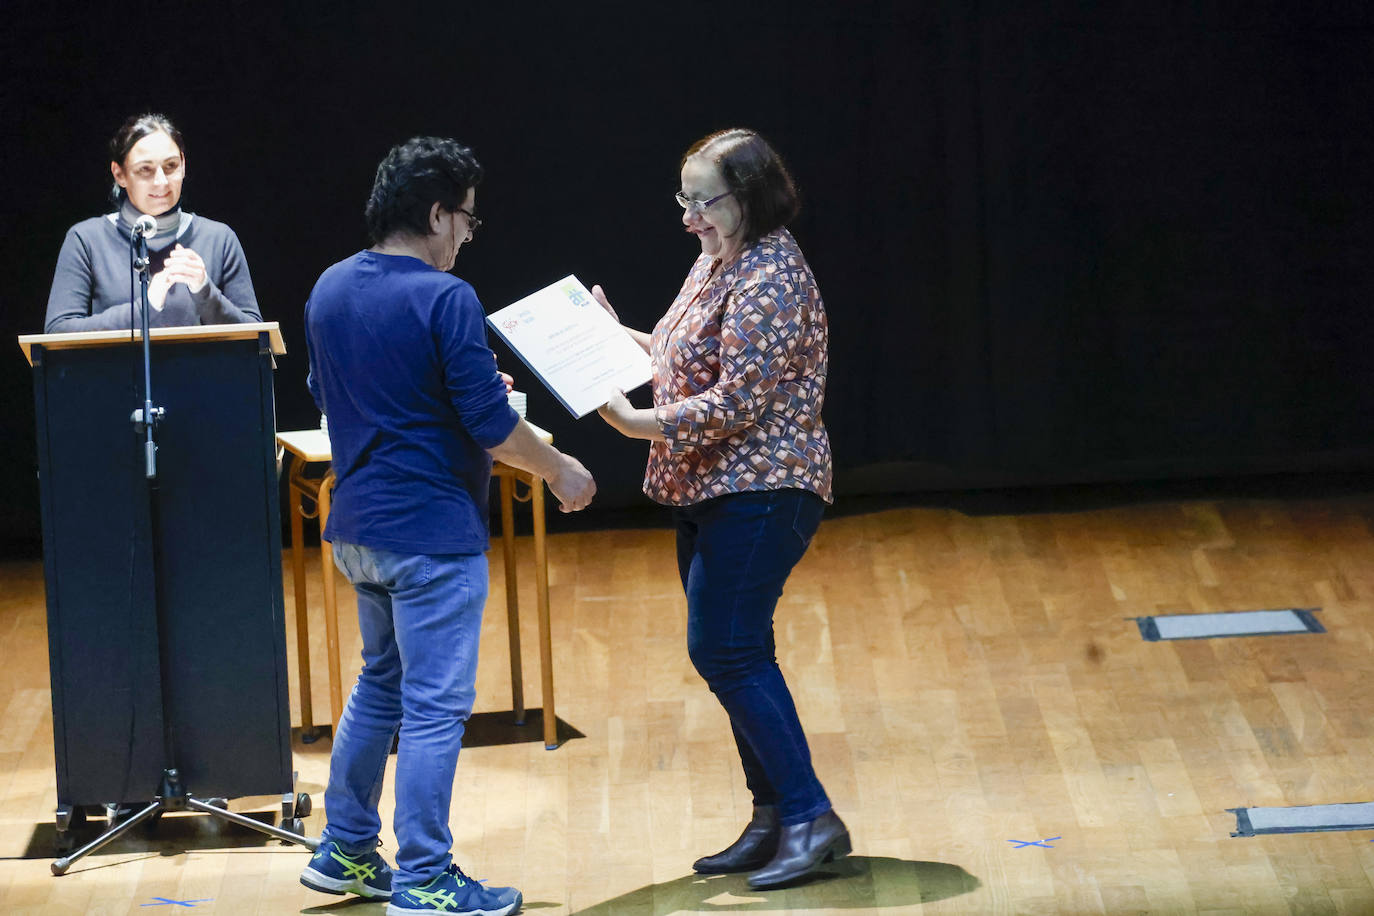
(1303, 819)
(1234, 623)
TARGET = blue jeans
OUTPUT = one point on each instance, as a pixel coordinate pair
(734, 554)
(420, 618)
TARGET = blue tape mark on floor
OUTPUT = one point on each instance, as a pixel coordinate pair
(1022, 844)
(166, 901)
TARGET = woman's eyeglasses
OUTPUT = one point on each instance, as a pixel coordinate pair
(700, 206)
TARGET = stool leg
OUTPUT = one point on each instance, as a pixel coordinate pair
(331, 606)
(302, 612)
(541, 579)
(517, 677)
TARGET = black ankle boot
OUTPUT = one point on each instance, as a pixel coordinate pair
(755, 846)
(802, 848)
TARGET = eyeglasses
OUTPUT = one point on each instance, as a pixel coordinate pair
(700, 206)
(473, 222)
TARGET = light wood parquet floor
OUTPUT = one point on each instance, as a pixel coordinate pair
(966, 681)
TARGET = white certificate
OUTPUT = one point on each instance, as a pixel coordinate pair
(573, 345)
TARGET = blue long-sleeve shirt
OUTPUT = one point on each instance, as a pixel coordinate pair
(399, 363)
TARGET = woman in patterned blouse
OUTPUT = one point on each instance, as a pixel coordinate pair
(740, 454)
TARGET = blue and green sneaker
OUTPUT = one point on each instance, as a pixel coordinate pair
(333, 871)
(451, 891)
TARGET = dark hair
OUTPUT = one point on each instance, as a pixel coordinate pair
(412, 177)
(757, 176)
(134, 129)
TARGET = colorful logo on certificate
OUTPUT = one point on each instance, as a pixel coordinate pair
(576, 294)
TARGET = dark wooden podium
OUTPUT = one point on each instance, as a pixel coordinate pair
(214, 564)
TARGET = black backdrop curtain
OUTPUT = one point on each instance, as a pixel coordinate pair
(1057, 242)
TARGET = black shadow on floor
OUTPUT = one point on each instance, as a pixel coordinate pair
(855, 882)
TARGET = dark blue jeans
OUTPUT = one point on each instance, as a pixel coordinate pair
(734, 554)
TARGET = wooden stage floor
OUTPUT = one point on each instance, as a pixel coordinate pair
(973, 687)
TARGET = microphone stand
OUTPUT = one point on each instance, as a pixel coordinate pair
(171, 794)
(146, 418)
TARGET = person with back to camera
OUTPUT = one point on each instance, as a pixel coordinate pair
(197, 271)
(417, 409)
(740, 454)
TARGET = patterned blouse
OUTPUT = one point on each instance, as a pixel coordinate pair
(739, 379)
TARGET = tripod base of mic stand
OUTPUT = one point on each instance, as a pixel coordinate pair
(173, 799)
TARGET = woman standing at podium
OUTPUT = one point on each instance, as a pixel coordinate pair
(197, 271)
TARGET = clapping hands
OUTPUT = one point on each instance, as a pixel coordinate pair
(183, 266)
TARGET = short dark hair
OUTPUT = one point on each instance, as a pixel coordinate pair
(412, 177)
(757, 176)
(134, 129)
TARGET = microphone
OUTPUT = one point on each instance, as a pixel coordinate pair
(144, 226)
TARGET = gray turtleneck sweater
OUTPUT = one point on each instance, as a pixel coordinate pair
(90, 289)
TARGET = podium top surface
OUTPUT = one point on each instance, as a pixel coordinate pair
(313, 444)
(157, 336)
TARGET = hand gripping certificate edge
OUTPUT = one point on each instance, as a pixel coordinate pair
(495, 322)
